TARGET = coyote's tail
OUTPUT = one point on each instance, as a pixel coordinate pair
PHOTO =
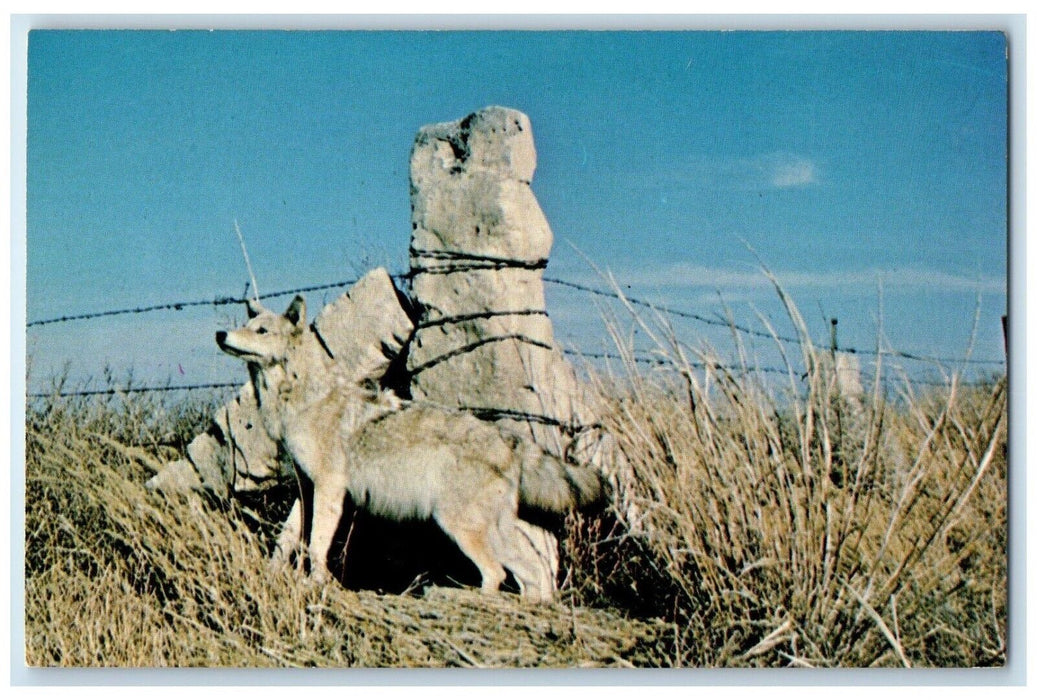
(550, 484)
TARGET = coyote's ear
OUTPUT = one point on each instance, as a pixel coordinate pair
(253, 308)
(296, 312)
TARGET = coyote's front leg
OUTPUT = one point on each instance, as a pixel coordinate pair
(329, 493)
(289, 539)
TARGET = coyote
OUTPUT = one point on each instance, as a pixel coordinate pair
(401, 460)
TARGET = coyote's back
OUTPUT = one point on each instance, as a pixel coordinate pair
(405, 463)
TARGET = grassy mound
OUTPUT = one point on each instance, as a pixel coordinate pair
(118, 576)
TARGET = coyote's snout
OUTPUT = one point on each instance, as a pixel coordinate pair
(401, 461)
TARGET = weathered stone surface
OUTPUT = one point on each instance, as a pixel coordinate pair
(249, 456)
(365, 328)
(234, 454)
(479, 245)
(178, 476)
(494, 139)
(209, 462)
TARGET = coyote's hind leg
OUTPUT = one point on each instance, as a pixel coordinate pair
(474, 540)
(526, 552)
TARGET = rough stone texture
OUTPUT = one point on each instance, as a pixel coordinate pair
(234, 454)
(253, 458)
(365, 330)
(478, 248)
(367, 327)
(479, 244)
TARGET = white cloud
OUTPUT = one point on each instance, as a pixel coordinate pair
(793, 173)
(684, 274)
(778, 170)
(768, 171)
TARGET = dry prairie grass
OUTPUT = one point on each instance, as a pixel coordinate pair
(780, 523)
(116, 576)
(758, 523)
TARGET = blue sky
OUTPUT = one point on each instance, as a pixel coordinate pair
(843, 159)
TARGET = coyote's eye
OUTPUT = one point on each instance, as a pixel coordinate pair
(261, 330)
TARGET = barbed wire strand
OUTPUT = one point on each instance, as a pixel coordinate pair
(133, 390)
(225, 300)
(762, 334)
(868, 378)
(180, 305)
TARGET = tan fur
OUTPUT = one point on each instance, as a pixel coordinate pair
(402, 461)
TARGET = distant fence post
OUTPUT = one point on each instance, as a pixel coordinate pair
(1004, 332)
(834, 336)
